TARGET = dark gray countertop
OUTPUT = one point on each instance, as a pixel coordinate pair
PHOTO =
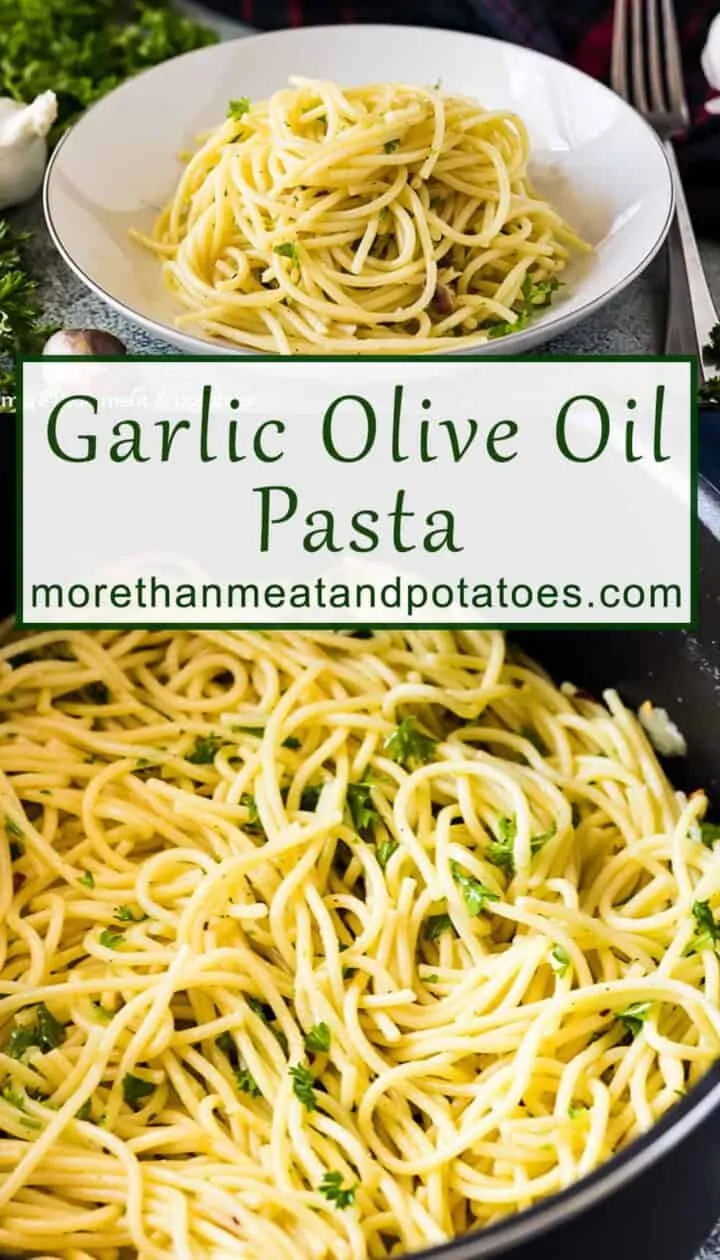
(631, 324)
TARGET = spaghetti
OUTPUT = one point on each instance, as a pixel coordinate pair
(325, 946)
(397, 219)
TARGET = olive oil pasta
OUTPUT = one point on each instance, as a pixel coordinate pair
(392, 218)
(328, 944)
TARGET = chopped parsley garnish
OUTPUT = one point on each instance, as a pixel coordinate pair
(304, 1086)
(87, 879)
(246, 1082)
(84, 1112)
(318, 1039)
(135, 1090)
(291, 742)
(47, 1033)
(288, 249)
(261, 1009)
(500, 852)
(408, 746)
(310, 796)
(13, 1096)
(110, 939)
(238, 109)
(362, 810)
(331, 1187)
(634, 1016)
(559, 960)
(707, 934)
(534, 295)
(253, 823)
(126, 914)
(12, 830)
(391, 146)
(225, 1043)
(203, 754)
(709, 834)
(475, 894)
(385, 850)
(436, 925)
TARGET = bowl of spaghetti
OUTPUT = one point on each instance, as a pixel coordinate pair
(369, 190)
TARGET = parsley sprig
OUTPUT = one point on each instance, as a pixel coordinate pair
(408, 746)
(331, 1187)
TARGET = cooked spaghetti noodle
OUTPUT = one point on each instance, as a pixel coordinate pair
(320, 946)
(391, 218)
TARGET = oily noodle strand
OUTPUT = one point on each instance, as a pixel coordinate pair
(322, 946)
(400, 217)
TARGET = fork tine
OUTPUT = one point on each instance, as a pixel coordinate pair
(676, 83)
(638, 68)
(657, 86)
(618, 63)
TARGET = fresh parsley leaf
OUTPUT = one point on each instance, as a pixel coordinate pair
(110, 939)
(12, 830)
(253, 824)
(238, 109)
(385, 850)
(13, 1096)
(331, 1187)
(226, 1044)
(21, 330)
(291, 742)
(318, 1039)
(362, 810)
(310, 796)
(634, 1016)
(265, 1012)
(203, 754)
(84, 1112)
(288, 249)
(304, 1086)
(408, 746)
(135, 1089)
(709, 834)
(87, 879)
(559, 960)
(391, 146)
(707, 934)
(436, 925)
(47, 1033)
(475, 894)
(534, 295)
(126, 914)
(501, 851)
(246, 1082)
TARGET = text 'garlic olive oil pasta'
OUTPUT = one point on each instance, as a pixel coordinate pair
(329, 945)
(385, 219)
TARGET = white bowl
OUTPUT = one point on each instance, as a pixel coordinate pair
(593, 157)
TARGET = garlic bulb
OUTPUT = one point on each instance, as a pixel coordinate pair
(710, 62)
(23, 147)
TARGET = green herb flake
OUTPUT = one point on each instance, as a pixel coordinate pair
(475, 894)
(304, 1086)
(391, 146)
(331, 1187)
(534, 295)
(87, 879)
(84, 1112)
(135, 1089)
(12, 831)
(238, 109)
(292, 742)
(288, 249)
(317, 1041)
(126, 914)
(634, 1016)
(47, 1033)
(408, 746)
(559, 960)
(707, 934)
(361, 808)
(253, 824)
(385, 850)
(246, 1082)
(203, 754)
(436, 925)
(261, 1009)
(111, 940)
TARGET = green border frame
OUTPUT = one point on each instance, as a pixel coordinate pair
(692, 624)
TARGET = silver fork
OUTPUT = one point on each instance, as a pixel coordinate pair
(646, 70)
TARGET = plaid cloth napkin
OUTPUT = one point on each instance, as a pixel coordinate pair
(578, 31)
